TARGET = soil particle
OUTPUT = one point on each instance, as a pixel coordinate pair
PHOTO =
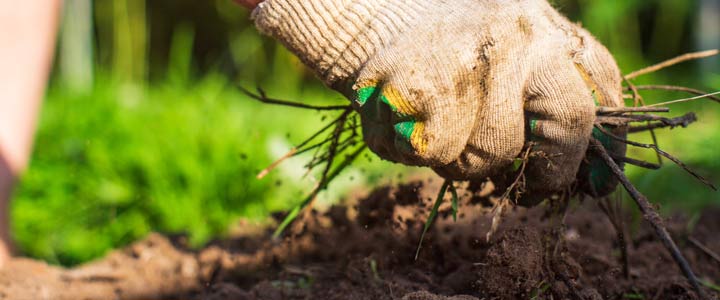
(366, 251)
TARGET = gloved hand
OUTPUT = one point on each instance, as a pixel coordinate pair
(457, 85)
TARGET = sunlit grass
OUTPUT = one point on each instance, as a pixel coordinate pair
(113, 164)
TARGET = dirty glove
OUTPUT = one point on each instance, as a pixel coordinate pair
(459, 86)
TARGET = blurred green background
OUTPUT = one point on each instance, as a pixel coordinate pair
(143, 129)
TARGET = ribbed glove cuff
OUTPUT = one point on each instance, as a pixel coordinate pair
(336, 38)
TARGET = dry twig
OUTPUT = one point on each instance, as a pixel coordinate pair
(327, 150)
(682, 121)
(262, 97)
(661, 152)
(672, 62)
(638, 163)
(684, 100)
(705, 249)
(276, 163)
(604, 110)
(650, 215)
(674, 88)
(625, 119)
(516, 186)
(637, 98)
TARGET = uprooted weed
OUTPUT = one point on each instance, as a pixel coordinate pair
(340, 138)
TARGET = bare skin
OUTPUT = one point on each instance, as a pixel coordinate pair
(27, 29)
(7, 179)
(250, 4)
(27, 32)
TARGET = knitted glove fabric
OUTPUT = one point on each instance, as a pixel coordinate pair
(457, 85)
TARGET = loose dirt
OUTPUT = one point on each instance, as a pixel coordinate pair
(366, 251)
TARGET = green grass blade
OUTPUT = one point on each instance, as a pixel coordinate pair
(433, 214)
(296, 211)
(633, 296)
(288, 220)
(710, 285)
(543, 287)
(455, 201)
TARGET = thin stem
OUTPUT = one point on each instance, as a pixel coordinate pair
(655, 143)
(433, 214)
(674, 88)
(684, 100)
(637, 98)
(276, 163)
(638, 163)
(336, 147)
(705, 249)
(682, 121)
(260, 96)
(299, 148)
(614, 214)
(643, 109)
(332, 152)
(650, 215)
(663, 153)
(342, 116)
(316, 190)
(621, 120)
(672, 62)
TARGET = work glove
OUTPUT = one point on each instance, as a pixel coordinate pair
(460, 86)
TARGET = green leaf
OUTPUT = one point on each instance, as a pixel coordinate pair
(517, 163)
(433, 214)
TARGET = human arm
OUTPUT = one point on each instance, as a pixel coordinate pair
(27, 34)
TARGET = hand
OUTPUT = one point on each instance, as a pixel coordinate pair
(459, 86)
(250, 4)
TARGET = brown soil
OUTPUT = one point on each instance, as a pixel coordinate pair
(367, 252)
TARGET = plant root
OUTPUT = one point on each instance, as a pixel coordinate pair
(661, 152)
(343, 138)
(518, 186)
(262, 97)
(683, 121)
(613, 210)
(555, 242)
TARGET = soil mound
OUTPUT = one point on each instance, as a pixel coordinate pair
(367, 251)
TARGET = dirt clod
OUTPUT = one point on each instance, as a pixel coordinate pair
(513, 265)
